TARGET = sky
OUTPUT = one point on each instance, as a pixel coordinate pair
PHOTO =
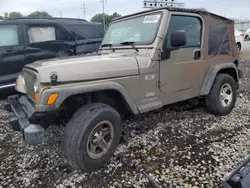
(72, 8)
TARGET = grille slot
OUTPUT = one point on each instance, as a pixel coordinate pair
(29, 79)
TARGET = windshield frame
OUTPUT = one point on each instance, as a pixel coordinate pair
(130, 18)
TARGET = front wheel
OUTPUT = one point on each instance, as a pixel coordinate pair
(222, 97)
(91, 137)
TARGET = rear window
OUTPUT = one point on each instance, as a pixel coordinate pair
(89, 31)
(8, 35)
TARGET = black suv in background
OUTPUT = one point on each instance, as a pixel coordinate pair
(25, 40)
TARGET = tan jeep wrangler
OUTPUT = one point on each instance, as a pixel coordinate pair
(147, 60)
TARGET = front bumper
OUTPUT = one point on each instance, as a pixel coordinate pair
(23, 111)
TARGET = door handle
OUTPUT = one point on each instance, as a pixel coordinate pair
(197, 54)
(9, 52)
(32, 50)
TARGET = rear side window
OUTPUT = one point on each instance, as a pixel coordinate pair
(8, 35)
(89, 31)
(191, 26)
(41, 34)
(218, 38)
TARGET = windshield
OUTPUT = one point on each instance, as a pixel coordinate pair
(140, 30)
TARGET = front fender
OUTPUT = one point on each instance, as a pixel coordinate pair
(68, 90)
(212, 73)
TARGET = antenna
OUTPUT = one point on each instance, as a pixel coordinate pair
(103, 13)
(84, 9)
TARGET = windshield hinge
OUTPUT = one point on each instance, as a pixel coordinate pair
(158, 83)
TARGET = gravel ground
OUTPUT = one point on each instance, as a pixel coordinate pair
(180, 146)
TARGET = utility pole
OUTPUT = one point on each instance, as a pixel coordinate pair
(84, 9)
(103, 13)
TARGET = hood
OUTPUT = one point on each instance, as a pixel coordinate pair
(87, 67)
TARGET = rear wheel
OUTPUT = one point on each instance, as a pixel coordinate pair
(222, 97)
(247, 38)
(92, 136)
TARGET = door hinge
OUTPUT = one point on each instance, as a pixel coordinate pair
(158, 83)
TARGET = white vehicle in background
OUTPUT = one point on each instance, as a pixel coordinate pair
(247, 34)
(239, 38)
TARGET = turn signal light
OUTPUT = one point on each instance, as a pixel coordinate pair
(16, 82)
(52, 98)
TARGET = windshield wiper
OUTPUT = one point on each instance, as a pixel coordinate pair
(108, 45)
(131, 43)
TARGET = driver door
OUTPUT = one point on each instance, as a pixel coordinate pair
(181, 71)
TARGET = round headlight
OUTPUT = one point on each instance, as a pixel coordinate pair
(36, 86)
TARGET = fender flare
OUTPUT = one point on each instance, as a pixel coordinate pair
(212, 73)
(68, 90)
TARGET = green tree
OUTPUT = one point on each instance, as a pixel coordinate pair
(12, 15)
(40, 14)
(108, 18)
(98, 18)
(114, 15)
(6, 15)
(1, 18)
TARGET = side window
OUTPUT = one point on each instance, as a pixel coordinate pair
(41, 33)
(192, 27)
(8, 35)
(60, 35)
(218, 41)
(89, 31)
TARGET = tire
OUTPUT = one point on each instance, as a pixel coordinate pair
(247, 38)
(238, 45)
(214, 100)
(79, 132)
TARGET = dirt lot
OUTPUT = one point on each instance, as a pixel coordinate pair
(182, 145)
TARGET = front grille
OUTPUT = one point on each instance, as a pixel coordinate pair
(29, 79)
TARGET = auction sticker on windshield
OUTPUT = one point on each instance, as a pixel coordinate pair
(151, 19)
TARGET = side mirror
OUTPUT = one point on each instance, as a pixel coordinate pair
(178, 38)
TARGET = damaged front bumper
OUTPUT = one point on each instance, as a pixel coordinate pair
(240, 178)
(23, 111)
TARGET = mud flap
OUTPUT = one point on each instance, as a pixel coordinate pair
(240, 178)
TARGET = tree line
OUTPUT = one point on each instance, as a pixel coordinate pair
(43, 14)
(36, 14)
(108, 18)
